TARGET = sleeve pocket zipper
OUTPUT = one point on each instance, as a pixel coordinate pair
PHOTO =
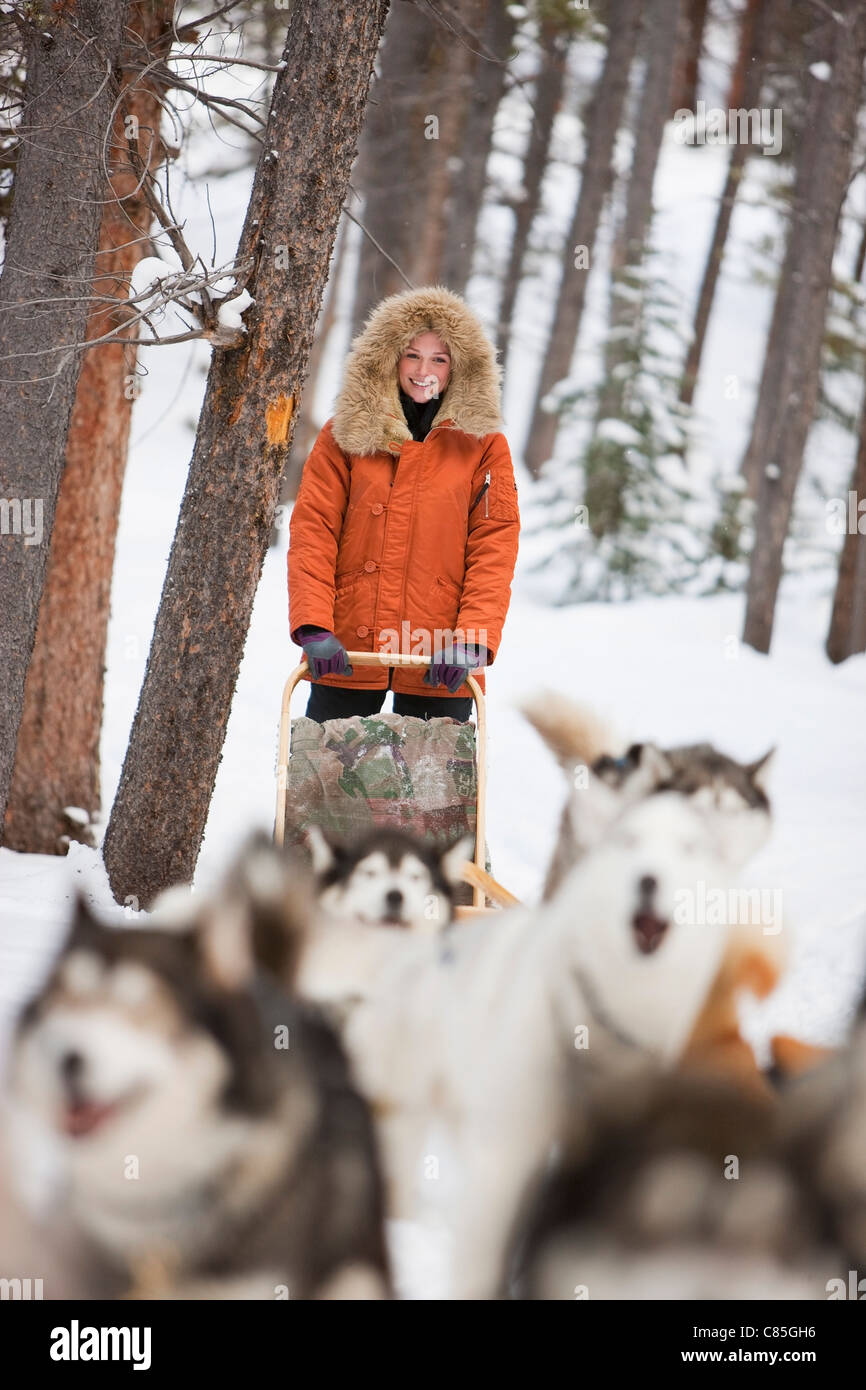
(483, 493)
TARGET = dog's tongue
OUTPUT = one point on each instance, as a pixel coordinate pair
(83, 1116)
(648, 930)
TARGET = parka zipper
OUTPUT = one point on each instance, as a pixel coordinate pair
(483, 493)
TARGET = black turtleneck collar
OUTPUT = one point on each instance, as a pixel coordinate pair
(419, 418)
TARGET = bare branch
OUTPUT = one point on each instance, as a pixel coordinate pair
(168, 224)
(171, 79)
(196, 24)
(229, 62)
(369, 235)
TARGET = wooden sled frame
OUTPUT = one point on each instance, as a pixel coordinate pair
(475, 874)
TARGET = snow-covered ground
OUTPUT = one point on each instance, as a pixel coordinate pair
(672, 669)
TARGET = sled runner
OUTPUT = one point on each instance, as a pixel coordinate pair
(427, 777)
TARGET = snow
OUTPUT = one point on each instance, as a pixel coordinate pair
(150, 273)
(618, 432)
(229, 314)
(822, 71)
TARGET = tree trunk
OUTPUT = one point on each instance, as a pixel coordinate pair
(737, 95)
(847, 633)
(601, 128)
(421, 168)
(687, 55)
(57, 757)
(860, 259)
(818, 198)
(495, 35)
(447, 93)
(52, 238)
(652, 111)
(308, 425)
(756, 37)
(553, 60)
(394, 157)
(158, 818)
(782, 328)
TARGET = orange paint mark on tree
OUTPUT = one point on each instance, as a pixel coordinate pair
(278, 417)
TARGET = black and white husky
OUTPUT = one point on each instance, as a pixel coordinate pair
(203, 1130)
(581, 741)
(388, 878)
(640, 1204)
(473, 1032)
(674, 1187)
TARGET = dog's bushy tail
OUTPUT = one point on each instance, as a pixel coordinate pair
(573, 732)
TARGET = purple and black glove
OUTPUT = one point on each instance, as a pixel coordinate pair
(451, 666)
(325, 653)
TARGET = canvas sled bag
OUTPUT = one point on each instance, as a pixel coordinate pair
(349, 775)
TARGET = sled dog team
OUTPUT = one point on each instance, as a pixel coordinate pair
(232, 1101)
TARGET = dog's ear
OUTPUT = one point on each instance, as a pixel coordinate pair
(655, 767)
(453, 859)
(594, 807)
(641, 770)
(174, 909)
(760, 770)
(84, 927)
(257, 918)
(224, 937)
(322, 853)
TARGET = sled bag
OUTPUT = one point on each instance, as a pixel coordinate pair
(349, 775)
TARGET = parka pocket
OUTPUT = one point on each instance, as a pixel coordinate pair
(443, 605)
(346, 581)
(496, 498)
(354, 601)
(450, 587)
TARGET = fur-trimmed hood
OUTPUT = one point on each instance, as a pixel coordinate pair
(368, 415)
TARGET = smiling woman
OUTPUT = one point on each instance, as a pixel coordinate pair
(406, 519)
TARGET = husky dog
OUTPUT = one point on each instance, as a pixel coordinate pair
(824, 1113)
(388, 878)
(207, 1136)
(641, 1203)
(474, 1030)
(580, 740)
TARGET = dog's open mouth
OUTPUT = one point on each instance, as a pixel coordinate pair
(80, 1117)
(392, 919)
(649, 931)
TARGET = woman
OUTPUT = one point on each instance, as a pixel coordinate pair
(404, 534)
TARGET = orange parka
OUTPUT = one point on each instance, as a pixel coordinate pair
(396, 543)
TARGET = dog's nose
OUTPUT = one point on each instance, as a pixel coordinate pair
(394, 900)
(71, 1067)
(648, 885)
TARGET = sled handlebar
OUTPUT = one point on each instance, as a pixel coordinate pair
(387, 659)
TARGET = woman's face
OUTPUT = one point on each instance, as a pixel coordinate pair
(425, 367)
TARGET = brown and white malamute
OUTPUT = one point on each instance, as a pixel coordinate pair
(201, 1123)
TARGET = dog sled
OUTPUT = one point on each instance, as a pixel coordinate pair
(360, 770)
